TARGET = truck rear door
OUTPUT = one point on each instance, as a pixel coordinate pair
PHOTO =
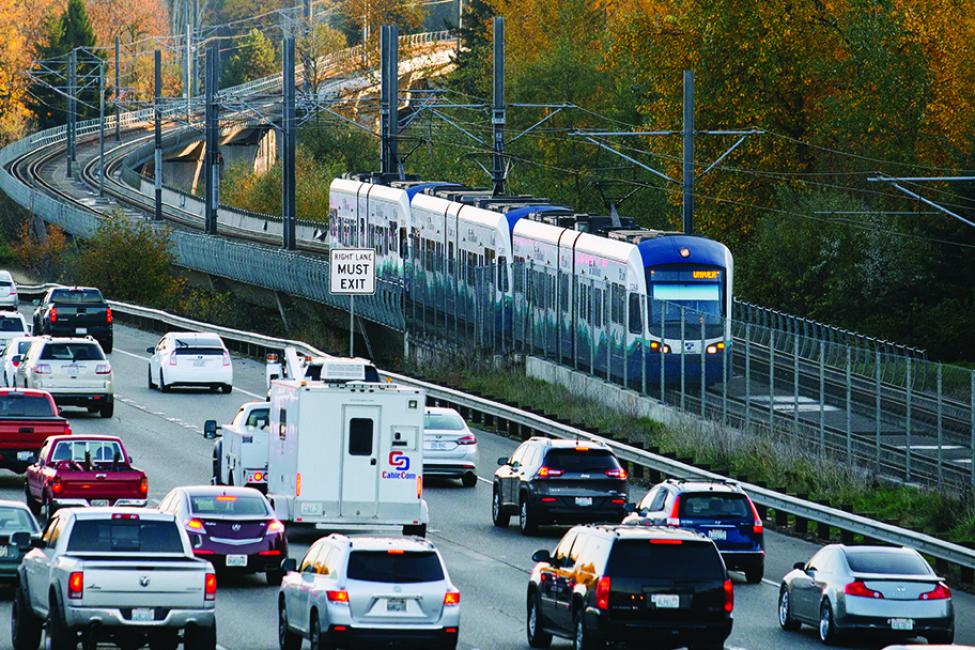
(361, 466)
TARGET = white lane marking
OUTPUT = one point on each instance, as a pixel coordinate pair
(770, 583)
(484, 480)
(131, 354)
(145, 409)
(247, 392)
(139, 356)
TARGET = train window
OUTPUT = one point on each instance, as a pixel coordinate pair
(616, 303)
(583, 301)
(502, 285)
(636, 315)
(564, 291)
(403, 244)
(518, 273)
(597, 307)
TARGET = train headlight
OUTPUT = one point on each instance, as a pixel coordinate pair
(712, 349)
(654, 346)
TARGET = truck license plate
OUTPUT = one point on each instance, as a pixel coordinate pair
(665, 601)
(3, 551)
(395, 605)
(143, 614)
(99, 502)
(81, 330)
(718, 533)
(25, 455)
(583, 501)
(236, 560)
(902, 623)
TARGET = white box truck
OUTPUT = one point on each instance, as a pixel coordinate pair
(347, 456)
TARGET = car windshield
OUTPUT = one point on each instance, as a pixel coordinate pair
(14, 405)
(8, 324)
(581, 459)
(225, 505)
(443, 421)
(13, 520)
(72, 352)
(384, 566)
(125, 536)
(102, 451)
(641, 559)
(893, 561)
(76, 296)
(714, 506)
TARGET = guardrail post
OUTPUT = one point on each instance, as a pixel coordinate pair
(822, 398)
(908, 439)
(637, 468)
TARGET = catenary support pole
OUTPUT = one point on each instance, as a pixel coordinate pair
(384, 163)
(498, 111)
(101, 129)
(118, 89)
(157, 75)
(188, 71)
(210, 150)
(688, 155)
(72, 71)
(288, 145)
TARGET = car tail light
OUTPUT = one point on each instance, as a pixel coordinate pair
(144, 486)
(202, 551)
(674, 518)
(729, 596)
(467, 439)
(395, 551)
(549, 499)
(273, 551)
(450, 630)
(619, 502)
(451, 599)
(257, 477)
(195, 525)
(758, 527)
(103, 369)
(940, 592)
(57, 485)
(108, 315)
(172, 358)
(667, 541)
(337, 596)
(15, 362)
(210, 587)
(618, 472)
(226, 497)
(272, 358)
(858, 588)
(76, 585)
(548, 472)
(42, 369)
(125, 515)
(275, 527)
(53, 315)
(226, 358)
(602, 593)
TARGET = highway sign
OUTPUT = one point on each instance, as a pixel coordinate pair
(352, 271)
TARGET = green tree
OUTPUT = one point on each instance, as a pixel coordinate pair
(253, 58)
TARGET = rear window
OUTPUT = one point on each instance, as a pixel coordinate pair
(99, 451)
(13, 520)
(72, 352)
(574, 460)
(228, 505)
(641, 559)
(892, 562)
(8, 324)
(25, 406)
(194, 350)
(715, 506)
(6, 283)
(443, 421)
(125, 536)
(76, 296)
(380, 566)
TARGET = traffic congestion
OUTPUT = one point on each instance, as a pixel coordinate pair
(339, 503)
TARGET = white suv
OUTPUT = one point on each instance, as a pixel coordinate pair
(368, 591)
(74, 370)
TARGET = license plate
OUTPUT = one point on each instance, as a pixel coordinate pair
(583, 501)
(199, 363)
(902, 624)
(438, 446)
(236, 560)
(717, 533)
(395, 605)
(81, 330)
(25, 455)
(99, 502)
(3, 551)
(143, 614)
(665, 601)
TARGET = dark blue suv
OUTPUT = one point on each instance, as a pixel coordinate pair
(718, 510)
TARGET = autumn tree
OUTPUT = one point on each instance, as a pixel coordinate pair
(369, 16)
(311, 49)
(14, 55)
(253, 57)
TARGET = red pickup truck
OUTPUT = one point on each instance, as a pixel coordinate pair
(84, 470)
(27, 418)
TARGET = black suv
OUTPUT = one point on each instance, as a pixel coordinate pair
(651, 586)
(548, 481)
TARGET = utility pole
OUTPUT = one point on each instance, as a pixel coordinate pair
(157, 68)
(188, 70)
(72, 72)
(288, 145)
(210, 151)
(118, 90)
(196, 65)
(101, 129)
(498, 112)
(688, 167)
(389, 98)
(309, 35)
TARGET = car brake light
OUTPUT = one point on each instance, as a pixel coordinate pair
(210, 587)
(172, 358)
(729, 596)
(53, 315)
(125, 515)
(258, 477)
(275, 527)
(144, 486)
(337, 596)
(667, 541)
(858, 588)
(674, 518)
(618, 472)
(56, 485)
(602, 593)
(549, 499)
(273, 551)
(451, 599)
(195, 525)
(42, 369)
(758, 527)
(298, 484)
(108, 315)
(582, 448)
(467, 439)
(272, 358)
(226, 358)
(547, 472)
(940, 592)
(76, 585)
(395, 551)
(103, 369)
(15, 362)
(226, 497)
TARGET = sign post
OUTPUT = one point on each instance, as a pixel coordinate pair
(351, 272)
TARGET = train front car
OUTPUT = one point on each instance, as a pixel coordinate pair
(689, 289)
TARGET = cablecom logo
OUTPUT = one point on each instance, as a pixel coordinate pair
(400, 463)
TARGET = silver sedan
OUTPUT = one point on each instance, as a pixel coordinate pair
(877, 589)
(449, 446)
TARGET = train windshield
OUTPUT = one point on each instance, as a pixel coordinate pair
(692, 303)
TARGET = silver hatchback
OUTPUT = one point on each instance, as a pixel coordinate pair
(878, 589)
(368, 592)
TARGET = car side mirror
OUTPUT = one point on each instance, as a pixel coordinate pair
(799, 566)
(210, 429)
(35, 302)
(128, 459)
(503, 460)
(629, 507)
(289, 565)
(541, 556)
(150, 349)
(21, 539)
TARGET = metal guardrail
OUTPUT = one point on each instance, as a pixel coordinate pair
(854, 524)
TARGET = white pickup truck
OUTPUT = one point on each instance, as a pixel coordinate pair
(240, 453)
(126, 575)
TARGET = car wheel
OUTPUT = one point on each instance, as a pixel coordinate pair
(59, 636)
(226, 388)
(107, 347)
(754, 574)
(274, 577)
(287, 639)
(149, 377)
(419, 530)
(827, 626)
(162, 383)
(107, 410)
(217, 453)
(198, 637)
(941, 638)
(582, 638)
(537, 638)
(526, 518)
(498, 515)
(47, 508)
(315, 639)
(25, 626)
(469, 480)
(164, 640)
(31, 502)
(785, 612)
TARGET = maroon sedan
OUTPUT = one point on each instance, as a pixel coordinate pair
(232, 527)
